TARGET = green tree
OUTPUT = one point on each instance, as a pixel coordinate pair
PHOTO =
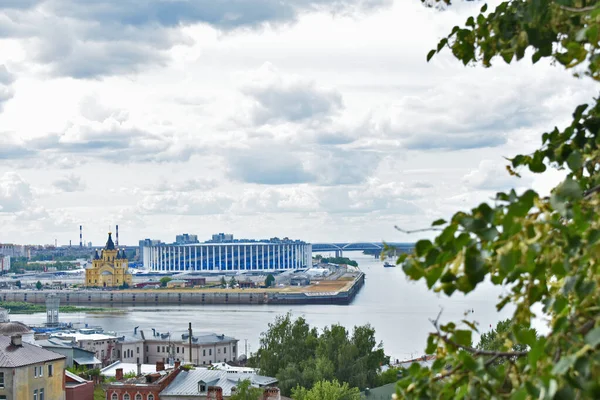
(223, 282)
(495, 339)
(543, 248)
(164, 280)
(285, 342)
(232, 282)
(125, 285)
(38, 285)
(389, 376)
(18, 284)
(297, 355)
(326, 390)
(270, 280)
(245, 391)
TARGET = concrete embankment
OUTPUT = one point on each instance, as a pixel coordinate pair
(161, 296)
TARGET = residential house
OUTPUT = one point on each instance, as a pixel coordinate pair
(142, 387)
(77, 388)
(94, 340)
(170, 347)
(76, 356)
(30, 372)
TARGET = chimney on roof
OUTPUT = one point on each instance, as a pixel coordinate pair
(160, 366)
(271, 393)
(214, 393)
(119, 374)
(139, 369)
(16, 340)
(177, 364)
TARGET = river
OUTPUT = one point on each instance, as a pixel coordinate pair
(399, 310)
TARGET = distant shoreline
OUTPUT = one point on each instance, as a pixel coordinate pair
(19, 307)
(326, 292)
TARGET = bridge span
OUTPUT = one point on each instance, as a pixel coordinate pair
(339, 248)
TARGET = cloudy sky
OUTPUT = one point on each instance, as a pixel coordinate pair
(313, 119)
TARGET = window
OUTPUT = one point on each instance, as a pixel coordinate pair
(1, 379)
(114, 396)
(204, 353)
(146, 348)
(150, 397)
(102, 353)
(35, 395)
(137, 350)
(177, 349)
(126, 396)
(164, 349)
(158, 349)
(138, 397)
(218, 351)
(224, 350)
(210, 352)
(233, 349)
(50, 369)
(41, 394)
(201, 387)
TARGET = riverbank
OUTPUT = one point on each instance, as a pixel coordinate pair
(20, 307)
(324, 292)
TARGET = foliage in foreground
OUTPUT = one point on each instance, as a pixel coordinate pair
(297, 355)
(326, 390)
(543, 250)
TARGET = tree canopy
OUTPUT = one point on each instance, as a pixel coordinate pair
(326, 390)
(245, 391)
(298, 355)
(542, 249)
(164, 280)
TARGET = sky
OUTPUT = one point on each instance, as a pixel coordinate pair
(318, 120)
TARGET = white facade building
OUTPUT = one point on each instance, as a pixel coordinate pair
(240, 256)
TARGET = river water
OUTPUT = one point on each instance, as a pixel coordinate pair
(399, 310)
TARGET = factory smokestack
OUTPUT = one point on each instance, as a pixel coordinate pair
(80, 236)
(117, 233)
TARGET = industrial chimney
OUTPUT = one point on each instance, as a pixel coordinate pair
(80, 236)
(117, 237)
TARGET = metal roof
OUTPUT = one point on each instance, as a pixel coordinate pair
(27, 354)
(186, 383)
(206, 338)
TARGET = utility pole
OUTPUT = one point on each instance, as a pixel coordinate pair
(190, 339)
(246, 348)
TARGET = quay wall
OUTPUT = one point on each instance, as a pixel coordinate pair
(118, 298)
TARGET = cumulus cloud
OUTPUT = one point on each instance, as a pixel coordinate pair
(175, 203)
(15, 193)
(6, 90)
(274, 199)
(493, 176)
(100, 133)
(188, 185)
(69, 183)
(277, 97)
(104, 37)
(456, 115)
(268, 166)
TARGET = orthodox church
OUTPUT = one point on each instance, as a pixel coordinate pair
(108, 269)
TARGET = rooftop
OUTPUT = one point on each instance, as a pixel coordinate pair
(14, 327)
(111, 370)
(79, 336)
(183, 336)
(186, 383)
(26, 354)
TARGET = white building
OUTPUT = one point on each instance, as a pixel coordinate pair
(104, 346)
(238, 256)
(4, 263)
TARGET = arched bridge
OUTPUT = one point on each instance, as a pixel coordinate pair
(339, 248)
